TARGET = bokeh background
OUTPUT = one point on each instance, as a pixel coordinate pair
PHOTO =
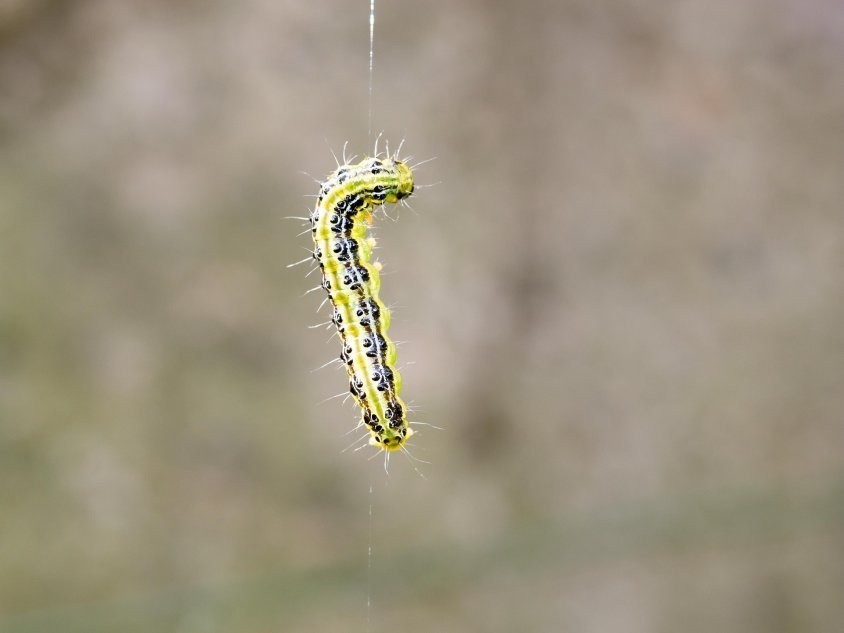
(622, 299)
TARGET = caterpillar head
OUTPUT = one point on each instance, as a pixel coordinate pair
(393, 177)
(404, 178)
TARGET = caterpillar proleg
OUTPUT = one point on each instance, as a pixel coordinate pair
(343, 211)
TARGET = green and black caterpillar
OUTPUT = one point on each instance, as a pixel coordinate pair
(343, 211)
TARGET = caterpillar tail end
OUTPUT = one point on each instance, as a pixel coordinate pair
(392, 443)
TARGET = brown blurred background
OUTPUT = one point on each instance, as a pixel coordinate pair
(624, 301)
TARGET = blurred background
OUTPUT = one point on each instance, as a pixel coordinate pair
(622, 299)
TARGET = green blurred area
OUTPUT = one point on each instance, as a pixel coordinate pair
(621, 298)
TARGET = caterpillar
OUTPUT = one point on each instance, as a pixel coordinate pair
(344, 209)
